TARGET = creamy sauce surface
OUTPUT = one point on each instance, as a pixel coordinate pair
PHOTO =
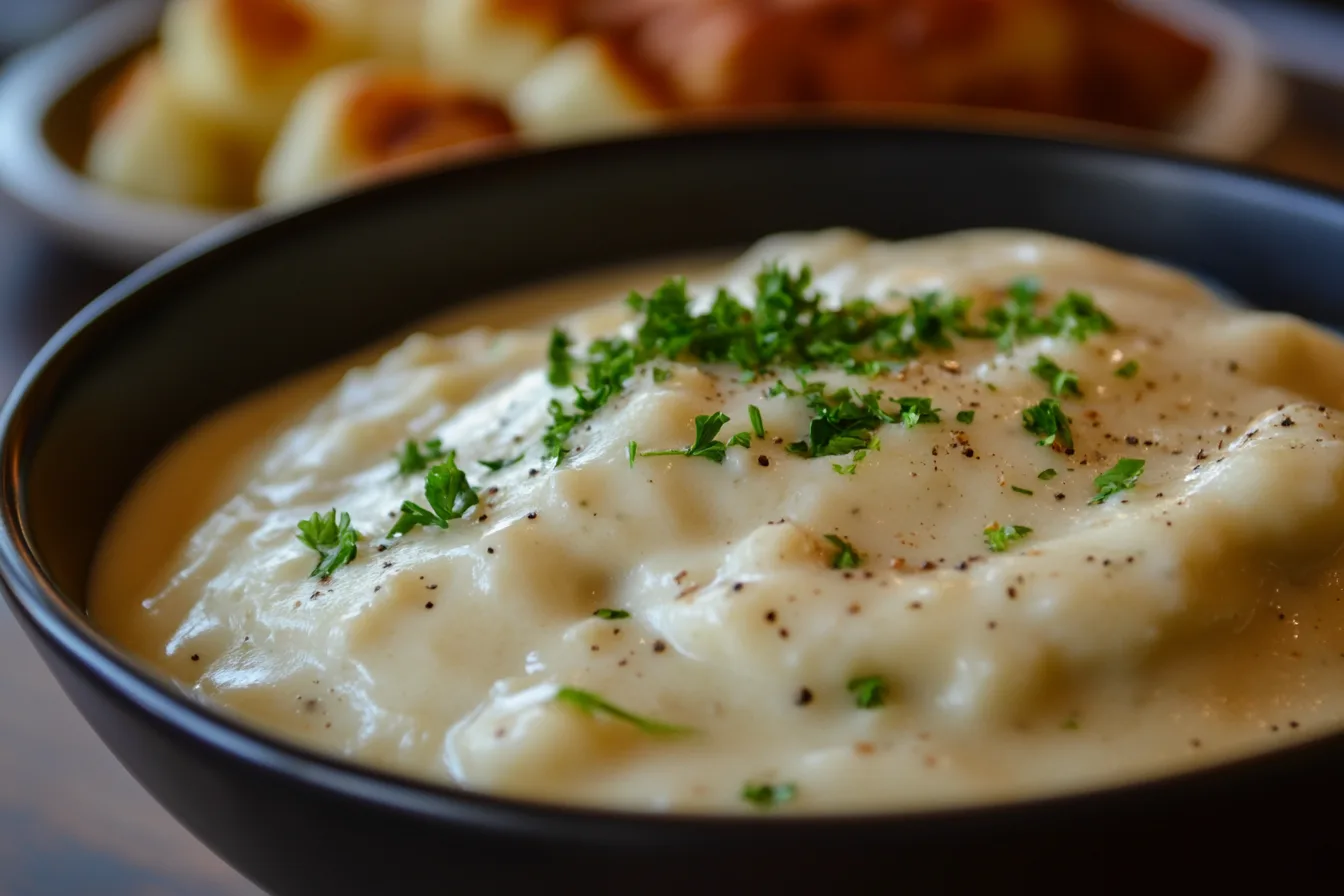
(1194, 617)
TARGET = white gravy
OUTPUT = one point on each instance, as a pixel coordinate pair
(1192, 618)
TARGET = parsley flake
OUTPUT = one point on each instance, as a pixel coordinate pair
(1047, 474)
(611, 614)
(1048, 420)
(999, 537)
(559, 372)
(591, 704)
(850, 468)
(917, 410)
(448, 494)
(845, 557)
(707, 426)
(757, 424)
(336, 542)
(1124, 475)
(415, 458)
(494, 466)
(1016, 318)
(767, 796)
(869, 692)
(844, 421)
(631, 452)
(1022, 491)
(661, 374)
(610, 363)
(741, 440)
(1077, 317)
(965, 416)
(1128, 370)
(1061, 381)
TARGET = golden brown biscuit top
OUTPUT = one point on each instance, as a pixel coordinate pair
(271, 30)
(1082, 58)
(397, 115)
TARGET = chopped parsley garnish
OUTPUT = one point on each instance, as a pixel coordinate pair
(494, 466)
(559, 370)
(965, 416)
(787, 327)
(757, 424)
(448, 494)
(917, 410)
(611, 614)
(631, 452)
(1048, 420)
(335, 541)
(707, 426)
(1118, 478)
(850, 468)
(661, 374)
(869, 692)
(1128, 370)
(562, 424)
(1047, 474)
(1077, 317)
(845, 421)
(610, 363)
(592, 704)
(767, 796)
(845, 556)
(741, 440)
(415, 458)
(1022, 491)
(1016, 318)
(1061, 381)
(999, 537)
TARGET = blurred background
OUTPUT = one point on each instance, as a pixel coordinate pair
(123, 132)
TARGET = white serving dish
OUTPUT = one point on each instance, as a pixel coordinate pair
(1239, 110)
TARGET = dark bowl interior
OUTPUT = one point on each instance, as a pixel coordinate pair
(220, 318)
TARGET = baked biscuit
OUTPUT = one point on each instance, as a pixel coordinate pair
(365, 116)
(491, 45)
(240, 63)
(146, 143)
(382, 29)
(585, 87)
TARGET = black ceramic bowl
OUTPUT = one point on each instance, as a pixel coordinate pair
(220, 318)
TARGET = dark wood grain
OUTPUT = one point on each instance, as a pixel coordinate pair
(71, 819)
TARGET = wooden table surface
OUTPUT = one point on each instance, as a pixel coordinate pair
(71, 819)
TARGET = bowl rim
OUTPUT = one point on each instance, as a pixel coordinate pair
(37, 600)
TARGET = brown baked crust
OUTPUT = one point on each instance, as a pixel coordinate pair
(396, 116)
(1080, 58)
(270, 33)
